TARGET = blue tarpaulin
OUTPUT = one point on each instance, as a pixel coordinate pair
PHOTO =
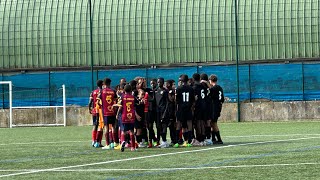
(276, 82)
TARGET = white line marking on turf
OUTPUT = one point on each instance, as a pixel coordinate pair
(259, 135)
(166, 169)
(155, 155)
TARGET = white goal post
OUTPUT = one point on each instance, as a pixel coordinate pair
(12, 108)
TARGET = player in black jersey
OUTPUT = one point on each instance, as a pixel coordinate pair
(152, 112)
(207, 133)
(200, 109)
(217, 96)
(184, 100)
(162, 121)
(170, 110)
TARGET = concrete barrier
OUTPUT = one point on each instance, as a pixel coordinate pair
(250, 112)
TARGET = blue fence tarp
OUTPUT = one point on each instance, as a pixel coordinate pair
(276, 82)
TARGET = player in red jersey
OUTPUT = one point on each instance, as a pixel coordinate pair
(96, 135)
(128, 116)
(108, 97)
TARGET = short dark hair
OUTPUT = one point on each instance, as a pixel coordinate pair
(204, 76)
(154, 80)
(127, 88)
(107, 81)
(99, 83)
(196, 76)
(161, 79)
(133, 83)
(213, 78)
(184, 78)
(170, 82)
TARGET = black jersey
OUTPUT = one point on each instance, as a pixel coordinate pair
(171, 108)
(184, 98)
(217, 96)
(201, 92)
(161, 99)
(151, 99)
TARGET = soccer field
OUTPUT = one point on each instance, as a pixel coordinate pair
(251, 151)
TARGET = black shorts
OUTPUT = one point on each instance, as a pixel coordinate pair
(152, 117)
(201, 114)
(109, 120)
(184, 116)
(215, 115)
(139, 124)
(128, 127)
(94, 120)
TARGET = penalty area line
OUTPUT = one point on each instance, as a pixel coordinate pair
(152, 156)
(167, 169)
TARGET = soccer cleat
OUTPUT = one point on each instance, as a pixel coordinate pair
(185, 144)
(208, 142)
(96, 144)
(118, 147)
(171, 144)
(218, 142)
(156, 144)
(150, 145)
(176, 145)
(141, 145)
(107, 147)
(164, 144)
(92, 144)
(195, 143)
(112, 145)
(123, 144)
(189, 145)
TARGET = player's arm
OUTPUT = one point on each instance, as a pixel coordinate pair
(90, 104)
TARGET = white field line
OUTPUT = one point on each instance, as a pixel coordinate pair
(267, 135)
(165, 169)
(152, 156)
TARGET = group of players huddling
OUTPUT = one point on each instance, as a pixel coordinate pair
(127, 115)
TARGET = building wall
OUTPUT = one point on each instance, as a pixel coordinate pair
(48, 34)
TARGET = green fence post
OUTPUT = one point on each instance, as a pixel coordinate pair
(237, 58)
(91, 46)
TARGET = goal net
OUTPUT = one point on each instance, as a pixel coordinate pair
(33, 106)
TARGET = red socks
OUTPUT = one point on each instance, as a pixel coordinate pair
(94, 135)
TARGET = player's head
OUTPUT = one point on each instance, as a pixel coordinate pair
(196, 77)
(160, 82)
(184, 79)
(153, 83)
(213, 78)
(141, 83)
(127, 89)
(123, 80)
(133, 84)
(169, 84)
(191, 82)
(99, 83)
(204, 77)
(107, 82)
